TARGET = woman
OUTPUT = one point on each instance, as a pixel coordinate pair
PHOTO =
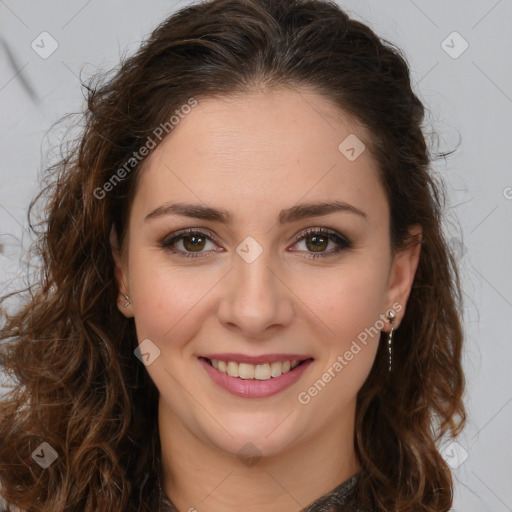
(246, 297)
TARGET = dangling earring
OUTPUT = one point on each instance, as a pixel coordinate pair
(391, 318)
(127, 300)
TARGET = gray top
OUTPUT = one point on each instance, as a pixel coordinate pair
(337, 499)
(334, 501)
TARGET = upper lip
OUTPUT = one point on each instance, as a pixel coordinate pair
(265, 358)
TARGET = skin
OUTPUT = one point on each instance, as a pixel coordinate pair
(254, 155)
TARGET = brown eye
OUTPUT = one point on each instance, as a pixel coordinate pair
(318, 243)
(318, 240)
(194, 243)
(189, 244)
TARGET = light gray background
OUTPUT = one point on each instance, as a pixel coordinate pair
(469, 98)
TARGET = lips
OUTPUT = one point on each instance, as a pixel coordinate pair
(255, 380)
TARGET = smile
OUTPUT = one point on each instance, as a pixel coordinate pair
(251, 371)
(255, 380)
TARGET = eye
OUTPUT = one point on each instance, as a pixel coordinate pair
(189, 243)
(317, 240)
(192, 243)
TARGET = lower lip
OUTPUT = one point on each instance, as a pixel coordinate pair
(252, 388)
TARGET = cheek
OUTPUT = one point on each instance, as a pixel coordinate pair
(351, 310)
(350, 305)
(164, 297)
(349, 300)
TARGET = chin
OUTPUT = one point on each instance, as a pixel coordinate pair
(253, 442)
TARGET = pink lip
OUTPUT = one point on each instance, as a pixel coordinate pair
(265, 358)
(255, 388)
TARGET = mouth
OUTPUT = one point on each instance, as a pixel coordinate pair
(259, 372)
(262, 380)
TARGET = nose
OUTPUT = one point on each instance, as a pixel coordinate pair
(255, 299)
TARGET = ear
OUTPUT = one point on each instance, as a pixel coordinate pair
(121, 276)
(402, 272)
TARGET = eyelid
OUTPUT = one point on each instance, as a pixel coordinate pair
(189, 231)
(341, 240)
(318, 229)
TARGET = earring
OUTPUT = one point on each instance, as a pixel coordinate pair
(391, 318)
(127, 300)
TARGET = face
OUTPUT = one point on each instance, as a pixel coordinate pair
(232, 256)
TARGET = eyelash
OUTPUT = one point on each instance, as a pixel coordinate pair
(342, 241)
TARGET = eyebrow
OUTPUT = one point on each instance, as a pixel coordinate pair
(288, 215)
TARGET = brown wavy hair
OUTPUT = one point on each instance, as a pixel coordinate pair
(68, 349)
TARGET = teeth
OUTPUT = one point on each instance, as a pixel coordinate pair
(247, 371)
(276, 369)
(232, 369)
(262, 371)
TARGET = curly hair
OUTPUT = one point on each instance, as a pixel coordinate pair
(68, 349)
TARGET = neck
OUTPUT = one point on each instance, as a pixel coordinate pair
(199, 476)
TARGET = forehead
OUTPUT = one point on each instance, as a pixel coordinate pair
(259, 148)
